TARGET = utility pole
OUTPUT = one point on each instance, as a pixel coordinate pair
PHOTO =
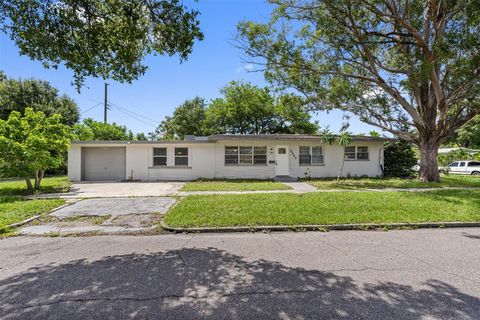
(105, 104)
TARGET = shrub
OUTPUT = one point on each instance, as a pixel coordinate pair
(399, 159)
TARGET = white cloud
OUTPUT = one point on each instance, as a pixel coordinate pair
(246, 67)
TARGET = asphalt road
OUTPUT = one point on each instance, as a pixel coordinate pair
(421, 274)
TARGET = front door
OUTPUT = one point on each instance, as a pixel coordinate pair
(281, 161)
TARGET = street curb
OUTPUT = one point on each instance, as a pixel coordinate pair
(21, 223)
(324, 227)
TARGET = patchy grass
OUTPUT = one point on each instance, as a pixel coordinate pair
(325, 208)
(14, 209)
(14, 187)
(384, 183)
(233, 185)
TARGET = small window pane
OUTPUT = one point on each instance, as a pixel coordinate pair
(245, 150)
(259, 159)
(181, 151)
(454, 164)
(350, 149)
(362, 156)
(260, 150)
(160, 151)
(462, 164)
(246, 158)
(305, 159)
(160, 161)
(231, 159)
(231, 150)
(316, 151)
(350, 156)
(282, 150)
(317, 159)
(362, 149)
(304, 151)
(181, 161)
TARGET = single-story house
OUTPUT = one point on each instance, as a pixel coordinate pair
(230, 156)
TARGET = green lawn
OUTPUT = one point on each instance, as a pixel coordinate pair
(233, 185)
(383, 183)
(325, 208)
(10, 187)
(15, 209)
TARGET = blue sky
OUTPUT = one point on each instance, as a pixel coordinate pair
(213, 63)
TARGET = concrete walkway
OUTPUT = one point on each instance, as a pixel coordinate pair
(172, 189)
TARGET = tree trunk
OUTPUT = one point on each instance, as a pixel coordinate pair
(38, 178)
(29, 183)
(341, 169)
(428, 162)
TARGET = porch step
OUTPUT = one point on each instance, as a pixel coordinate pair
(285, 179)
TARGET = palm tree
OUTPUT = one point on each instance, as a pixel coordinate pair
(374, 134)
(344, 139)
(327, 136)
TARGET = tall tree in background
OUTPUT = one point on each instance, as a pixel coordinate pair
(242, 109)
(188, 118)
(100, 38)
(17, 95)
(91, 130)
(409, 67)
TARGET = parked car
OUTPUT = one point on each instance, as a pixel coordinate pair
(462, 167)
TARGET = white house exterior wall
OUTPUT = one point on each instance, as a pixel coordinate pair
(207, 160)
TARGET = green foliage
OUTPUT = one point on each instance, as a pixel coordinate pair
(17, 95)
(189, 118)
(242, 109)
(31, 144)
(469, 135)
(445, 159)
(408, 67)
(327, 136)
(399, 159)
(91, 130)
(100, 38)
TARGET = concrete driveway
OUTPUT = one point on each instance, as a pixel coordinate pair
(116, 207)
(418, 274)
(124, 189)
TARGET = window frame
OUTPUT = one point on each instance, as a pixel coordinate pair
(181, 156)
(251, 154)
(356, 152)
(311, 156)
(159, 156)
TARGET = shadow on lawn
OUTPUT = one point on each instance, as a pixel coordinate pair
(210, 283)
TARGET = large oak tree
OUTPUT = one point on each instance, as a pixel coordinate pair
(410, 67)
(100, 38)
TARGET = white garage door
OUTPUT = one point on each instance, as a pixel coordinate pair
(102, 163)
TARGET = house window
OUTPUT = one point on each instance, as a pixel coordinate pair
(181, 156)
(356, 153)
(311, 155)
(231, 155)
(159, 156)
(260, 155)
(245, 155)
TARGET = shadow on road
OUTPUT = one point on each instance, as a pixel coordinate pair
(210, 283)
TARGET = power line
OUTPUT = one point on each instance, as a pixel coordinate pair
(91, 108)
(134, 117)
(135, 113)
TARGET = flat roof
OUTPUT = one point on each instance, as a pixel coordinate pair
(217, 137)
(295, 137)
